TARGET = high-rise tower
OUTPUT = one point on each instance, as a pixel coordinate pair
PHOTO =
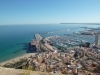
(97, 39)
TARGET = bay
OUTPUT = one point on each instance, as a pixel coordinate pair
(13, 37)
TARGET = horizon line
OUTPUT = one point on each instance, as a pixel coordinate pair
(57, 23)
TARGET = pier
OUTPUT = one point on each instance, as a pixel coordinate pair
(54, 31)
(34, 44)
(38, 37)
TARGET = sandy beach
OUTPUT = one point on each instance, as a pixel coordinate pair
(17, 58)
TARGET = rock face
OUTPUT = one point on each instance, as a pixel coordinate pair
(11, 71)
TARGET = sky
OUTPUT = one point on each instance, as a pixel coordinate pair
(49, 11)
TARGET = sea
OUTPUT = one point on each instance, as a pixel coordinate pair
(14, 37)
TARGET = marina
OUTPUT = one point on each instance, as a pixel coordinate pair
(67, 41)
(72, 60)
(64, 54)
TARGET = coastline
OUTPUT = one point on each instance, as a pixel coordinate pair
(83, 23)
(26, 55)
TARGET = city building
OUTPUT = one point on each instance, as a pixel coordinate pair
(33, 45)
(97, 39)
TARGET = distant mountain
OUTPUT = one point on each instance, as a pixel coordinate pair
(82, 23)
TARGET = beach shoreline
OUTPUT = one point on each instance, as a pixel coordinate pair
(26, 55)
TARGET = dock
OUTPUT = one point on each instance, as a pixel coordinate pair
(38, 37)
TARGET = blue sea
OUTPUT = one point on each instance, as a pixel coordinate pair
(13, 37)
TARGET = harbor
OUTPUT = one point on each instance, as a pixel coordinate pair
(78, 58)
(72, 60)
(69, 54)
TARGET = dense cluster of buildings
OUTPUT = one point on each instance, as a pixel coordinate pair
(73, 61)
(77, 60)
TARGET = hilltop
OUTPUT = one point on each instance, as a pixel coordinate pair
(12, 71)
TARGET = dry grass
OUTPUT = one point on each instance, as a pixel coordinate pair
(11, 71)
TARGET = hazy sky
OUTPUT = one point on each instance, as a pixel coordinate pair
(48, 11)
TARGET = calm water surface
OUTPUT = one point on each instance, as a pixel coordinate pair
(13, 37)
